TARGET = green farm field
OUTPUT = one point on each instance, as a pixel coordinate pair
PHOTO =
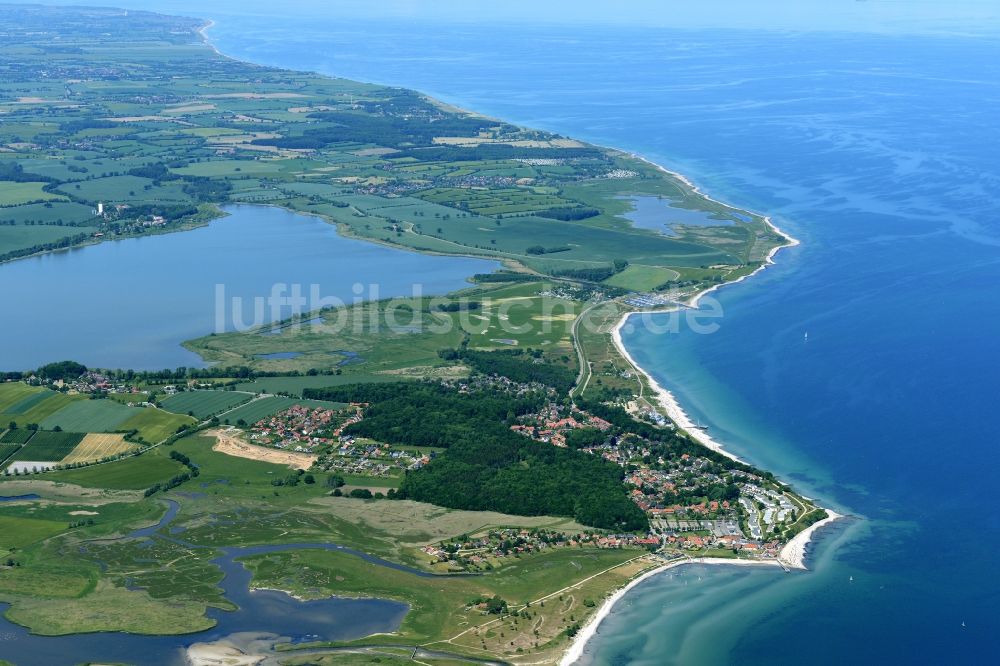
(494, 202)
(39, 216)
(203, 404)
(155, 425)
(29, 401)
(136, 473)
(7, 450)
(217, 168)
(24, 404)
(16, 436)
(13, 393)
(642, 278)
(90, 416)
(47, 446)
(15, 194)
(22, 236)
(125, 188)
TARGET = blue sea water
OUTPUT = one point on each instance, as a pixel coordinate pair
(879, 152)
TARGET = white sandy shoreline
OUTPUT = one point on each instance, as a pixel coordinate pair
(792, 555)
(665, 398)
(580, 641)
(203, 31)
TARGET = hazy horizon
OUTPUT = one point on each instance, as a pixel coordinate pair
(969, 17)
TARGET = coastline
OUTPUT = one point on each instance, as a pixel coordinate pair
(791, 241)
(203, 33)
(575, 650)
(667, 400)
(792, 555)
(664, 397)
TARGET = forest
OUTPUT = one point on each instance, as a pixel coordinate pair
(516, 365)
(485, 465)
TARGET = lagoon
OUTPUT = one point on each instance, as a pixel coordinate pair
(878, 154)
(656, 213)
(130, 303)
(265, 614)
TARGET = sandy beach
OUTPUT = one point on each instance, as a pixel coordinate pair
(793, 554)
(575, 650)
(203, 31)
(219, 654)
(665, 398)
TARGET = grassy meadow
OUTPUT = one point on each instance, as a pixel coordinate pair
(399, 339)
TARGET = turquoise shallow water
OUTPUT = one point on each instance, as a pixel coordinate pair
(877, 152)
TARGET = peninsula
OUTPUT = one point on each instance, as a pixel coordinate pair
(493, 459)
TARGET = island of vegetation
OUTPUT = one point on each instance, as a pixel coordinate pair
(497, 447)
